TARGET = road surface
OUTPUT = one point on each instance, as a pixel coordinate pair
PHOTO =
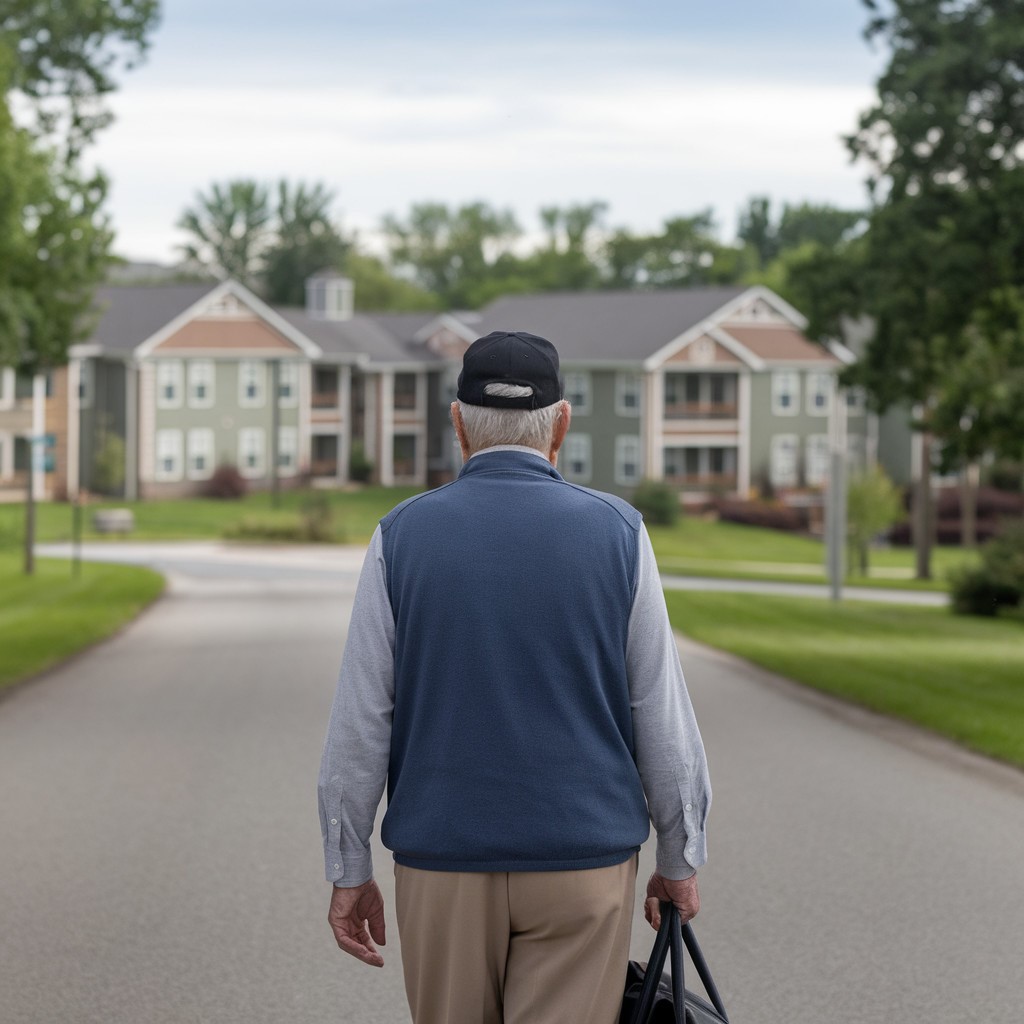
(160, 854)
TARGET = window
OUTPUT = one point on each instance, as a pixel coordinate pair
(627, 461)
(287, 450)
(405, 391)
(403, 450)
(818, 459)
(288, 385)
(627, 394)
(252, 383)
(819, 393)
(200, 384)
(675, 462)
(577, 391)
(251, 451)
(785, 393)
(168, 384)
(200, 453)
(86, 382)
(785, 448)
(574, 460)
(722, 461)
(168, 455)
(855, 401)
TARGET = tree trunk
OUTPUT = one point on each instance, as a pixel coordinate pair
(969, 506)
(30, 524)
(923, 515)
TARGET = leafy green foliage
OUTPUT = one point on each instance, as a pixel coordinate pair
(65, 55)
(998, 582)
(657, 501)
(873, 504)
(108, 462)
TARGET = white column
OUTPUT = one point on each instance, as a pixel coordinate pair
(370, 383)
(304, 455)
(387, 428)
(745, 440)
(38, 430)
(131, 431)
(345, 415)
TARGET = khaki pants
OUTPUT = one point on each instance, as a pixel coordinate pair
(519, 948)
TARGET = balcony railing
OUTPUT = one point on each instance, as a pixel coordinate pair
(324, 467)
(701, 411)
(325, 400)
(704, 481)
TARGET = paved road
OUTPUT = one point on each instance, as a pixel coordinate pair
(160, 864)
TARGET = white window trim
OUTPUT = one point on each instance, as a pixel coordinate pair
(176, 369)
(582, 408)
(6, 454)
(292, 446)
(7, 379)
(207, 366)
(209, 451)
(827, 379)
(793, 442)
(622, 387)
(622, 442)
(585, 455)
(856, 402)
(777, 378)
(162, 475)
(813, 441)
(260, 400)
(290, 371)
(252, 472)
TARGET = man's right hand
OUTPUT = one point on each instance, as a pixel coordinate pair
(682, 893)
(357, 920)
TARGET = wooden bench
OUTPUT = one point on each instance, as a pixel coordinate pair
(113, 520)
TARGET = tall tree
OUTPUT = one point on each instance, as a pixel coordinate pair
(228, 230)
(64, 58)
(450, 251)
(305, 240)
(944, 143)
(757, 229)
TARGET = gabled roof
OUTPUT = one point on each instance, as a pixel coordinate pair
(359, 339)
(403, 327)
(624, 327)
(130, 314)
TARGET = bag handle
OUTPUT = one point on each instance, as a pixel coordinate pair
(670, 939)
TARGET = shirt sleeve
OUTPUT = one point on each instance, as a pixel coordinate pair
(668, 749)
(354, 767)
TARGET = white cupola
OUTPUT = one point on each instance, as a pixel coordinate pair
(329, 296)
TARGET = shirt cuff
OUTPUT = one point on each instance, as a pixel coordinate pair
(349, 871)
(675, 862)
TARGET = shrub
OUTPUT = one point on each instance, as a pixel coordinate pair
(658, 502)
(360, 468)
(226, 483)
(315, 517)
(872, 505)
(762, 513)
(998, 582)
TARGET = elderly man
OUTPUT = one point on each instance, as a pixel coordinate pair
(511, 675)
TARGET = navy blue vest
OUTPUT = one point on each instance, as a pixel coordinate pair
(512, 740)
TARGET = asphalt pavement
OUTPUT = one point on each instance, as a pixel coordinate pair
(160, 854)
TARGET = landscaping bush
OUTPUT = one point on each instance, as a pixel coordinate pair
(360, 468)
(226, 483)
(658, 502)
(312, 524)
(762, 513)
(998, 582)
(316, 518)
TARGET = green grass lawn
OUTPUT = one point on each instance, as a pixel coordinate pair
(46, 617)
(962, 677)
(354, 515)
(700, 547)
(695, 546)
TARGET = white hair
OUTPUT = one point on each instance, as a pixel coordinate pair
(486, 426)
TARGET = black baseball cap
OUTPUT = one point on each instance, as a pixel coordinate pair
(510, 357)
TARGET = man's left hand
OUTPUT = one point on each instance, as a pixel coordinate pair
(357, 919)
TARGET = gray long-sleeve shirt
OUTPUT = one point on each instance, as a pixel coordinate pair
(668, 749)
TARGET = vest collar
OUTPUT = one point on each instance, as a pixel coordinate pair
(509, 461)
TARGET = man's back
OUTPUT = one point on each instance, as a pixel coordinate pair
(512, 745)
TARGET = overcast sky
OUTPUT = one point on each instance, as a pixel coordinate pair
(659, 108)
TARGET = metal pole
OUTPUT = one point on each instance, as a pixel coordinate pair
(275, 430)
(76, 537)
(835, 507)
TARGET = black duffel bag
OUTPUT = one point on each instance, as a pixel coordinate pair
(653, 998)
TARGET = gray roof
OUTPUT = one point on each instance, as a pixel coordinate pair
(624, 327)
(403, 326)
(360, 335)
(130, 314)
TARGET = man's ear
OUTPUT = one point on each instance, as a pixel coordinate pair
(561, 428)
(460, 430)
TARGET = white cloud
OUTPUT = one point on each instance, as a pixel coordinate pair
(651, 144)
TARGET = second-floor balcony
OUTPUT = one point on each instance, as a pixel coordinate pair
(701, 411)
(325, 400)
(701, 396)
